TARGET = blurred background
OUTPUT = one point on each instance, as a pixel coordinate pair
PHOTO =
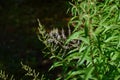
(18, 38)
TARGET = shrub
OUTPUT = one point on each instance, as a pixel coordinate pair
(97, 26)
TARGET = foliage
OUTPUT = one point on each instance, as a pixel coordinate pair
(30, 72)
(97, 26)
(91, 51)
(4, 76)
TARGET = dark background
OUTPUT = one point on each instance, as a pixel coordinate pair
(18, 38)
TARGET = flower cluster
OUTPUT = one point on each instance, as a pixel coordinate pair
(59, 37)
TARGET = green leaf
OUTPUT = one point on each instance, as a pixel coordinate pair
(99, 30)
(82, 48)
(75, 35)
(72, 74)
(56, 64)
(115, 56)
(85, 40)
(72, 51)
(88, 72)
(118, 46)
(84, 55)
(117, 78)
(106, 29)
(56, 57)
(111, 38)
(72, 56)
